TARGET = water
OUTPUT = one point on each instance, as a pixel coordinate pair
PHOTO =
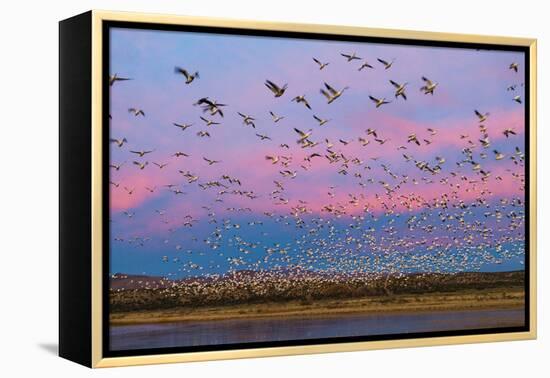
(183, 334)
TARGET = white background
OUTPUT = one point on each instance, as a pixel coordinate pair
(29, 186)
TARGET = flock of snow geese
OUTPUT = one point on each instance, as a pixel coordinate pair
(382, 226)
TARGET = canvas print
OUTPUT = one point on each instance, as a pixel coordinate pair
(280, 190)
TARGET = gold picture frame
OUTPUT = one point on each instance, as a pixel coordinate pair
(94, 356)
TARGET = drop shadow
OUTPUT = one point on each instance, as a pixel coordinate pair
(51, 348)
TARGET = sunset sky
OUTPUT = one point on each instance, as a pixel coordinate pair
(233, 70)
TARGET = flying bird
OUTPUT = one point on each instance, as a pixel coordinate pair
(114, 78)
(303, 135)
(141, 165)
(387, 65)
(363, 141)
(498, 155)
(188, 76)
(332, 94)
(184, 126)
(429, 87)
(372, 132)
(211, 106)
(247, 119)
(273, 159)
(508, 132)
(350, 57)
(208, 122)
(321, 65)
(275, 117)
(141, 153)
(301, 99)
(399, 89)
(116, 167)
(514, 66)
(263, 137)
(277, 91)
(413, 138)
(136, 112)
(119, 142)
(365, 65)
(320, 120)
(211, 162)
(379, 102)
(160, 165)
(203, 134)
(481, 117)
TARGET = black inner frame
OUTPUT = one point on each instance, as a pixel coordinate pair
(107, 25)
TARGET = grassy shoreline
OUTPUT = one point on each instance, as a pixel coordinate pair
(471, 299)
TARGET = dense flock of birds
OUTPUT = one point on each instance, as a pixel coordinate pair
(382, 226)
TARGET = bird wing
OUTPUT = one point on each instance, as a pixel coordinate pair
(394, 84)
(270, 88)
(136, 152)
(428, 81)
(271, 85)
(182, 71)
(205, 100)
(382, 61)
(478, 113)
(317, 118)
(316, 61)
(325, 93)
(374, 99)
(242, 115)
(300, 132)
(332, 90)
(345, 55)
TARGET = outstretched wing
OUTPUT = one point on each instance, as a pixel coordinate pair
(325, 93)
(394, 84)
(428, 81)
(300, 132)
(181, 71)
(332, 90)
